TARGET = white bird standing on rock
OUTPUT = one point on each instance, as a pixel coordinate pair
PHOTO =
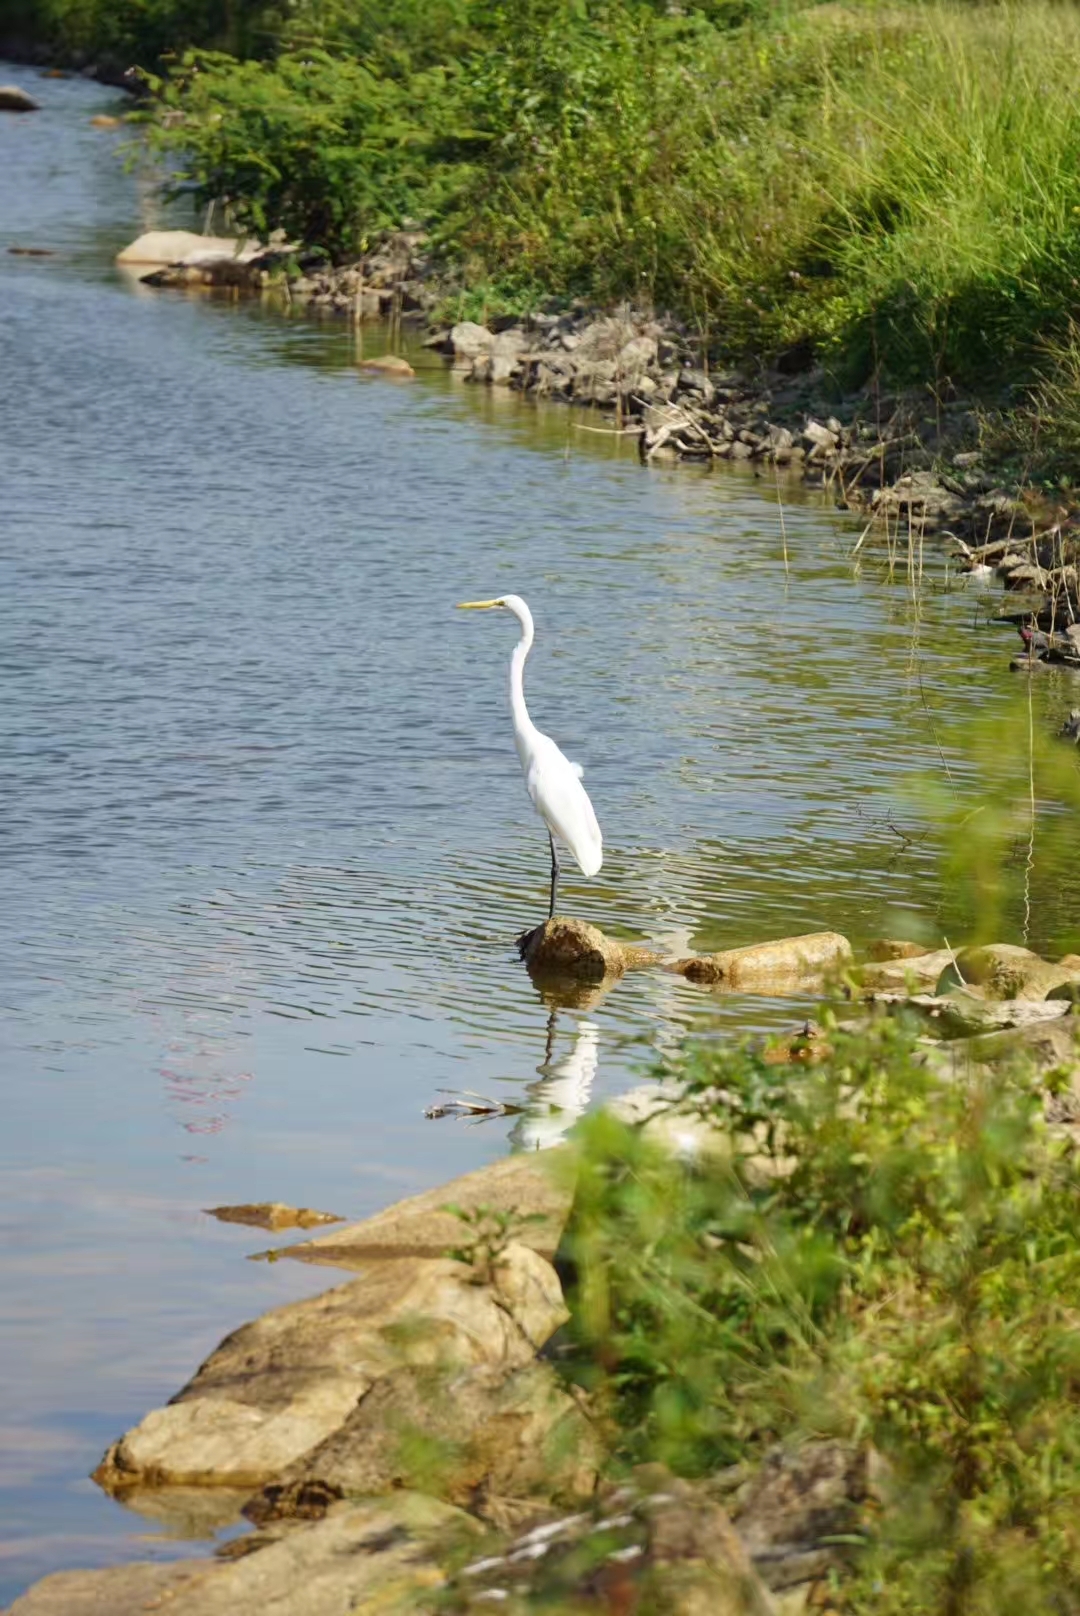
(552, 781)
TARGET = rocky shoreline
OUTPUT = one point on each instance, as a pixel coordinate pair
(912, 471)
(404, 1442)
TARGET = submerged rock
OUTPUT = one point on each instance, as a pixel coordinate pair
(272, 1215)
(388, 365)
(789, 965)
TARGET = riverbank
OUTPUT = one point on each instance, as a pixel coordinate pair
(503, 1408)
(916, 467)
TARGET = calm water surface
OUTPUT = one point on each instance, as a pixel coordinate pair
(264, 841)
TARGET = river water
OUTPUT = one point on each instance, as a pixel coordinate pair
(265, 845)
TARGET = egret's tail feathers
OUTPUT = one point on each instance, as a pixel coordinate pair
(590, 858)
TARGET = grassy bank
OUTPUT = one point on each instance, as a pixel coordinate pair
(891, 189)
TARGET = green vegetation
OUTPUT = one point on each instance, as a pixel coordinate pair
(887, 1255)
(894, 188)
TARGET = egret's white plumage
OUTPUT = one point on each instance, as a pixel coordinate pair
(552, 781)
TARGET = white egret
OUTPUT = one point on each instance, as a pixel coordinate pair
(552, 781)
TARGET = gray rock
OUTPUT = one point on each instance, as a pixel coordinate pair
(654, 1544)
(696, 381)
(468, 340)
(818, 439)
(637, 354)
(796, 1502)
(506, 353)
(1003, 971)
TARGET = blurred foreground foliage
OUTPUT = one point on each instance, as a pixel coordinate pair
(880, 1251)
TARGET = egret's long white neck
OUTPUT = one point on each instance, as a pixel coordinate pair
(523, 724)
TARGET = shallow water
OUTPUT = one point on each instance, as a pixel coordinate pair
(265, 844)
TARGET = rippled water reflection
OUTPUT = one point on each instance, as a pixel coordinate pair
(265, 843)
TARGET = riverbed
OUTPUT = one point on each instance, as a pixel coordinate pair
(265, 843)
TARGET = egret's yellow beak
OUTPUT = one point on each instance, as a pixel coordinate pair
(477, 605)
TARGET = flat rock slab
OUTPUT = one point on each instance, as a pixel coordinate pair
(276, 1388)
(367, 1559)
(789, 965)
(160, 248)
(540, 1186)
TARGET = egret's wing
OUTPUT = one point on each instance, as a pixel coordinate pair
(578, 770)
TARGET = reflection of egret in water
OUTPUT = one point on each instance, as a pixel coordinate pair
(563, 1092)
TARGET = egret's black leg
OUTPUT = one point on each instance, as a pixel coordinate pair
(554, 876)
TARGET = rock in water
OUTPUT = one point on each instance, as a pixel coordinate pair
(12, 99)
(786, 966)
(388, 365)
(469, 340)
(272, 1215)
(573, 950)
(163, 247)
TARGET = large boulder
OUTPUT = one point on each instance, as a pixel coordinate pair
(14, 99)
(375, 1558)
(493, 1443)
(276, 1388)
(469, 340)
(790, 965)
